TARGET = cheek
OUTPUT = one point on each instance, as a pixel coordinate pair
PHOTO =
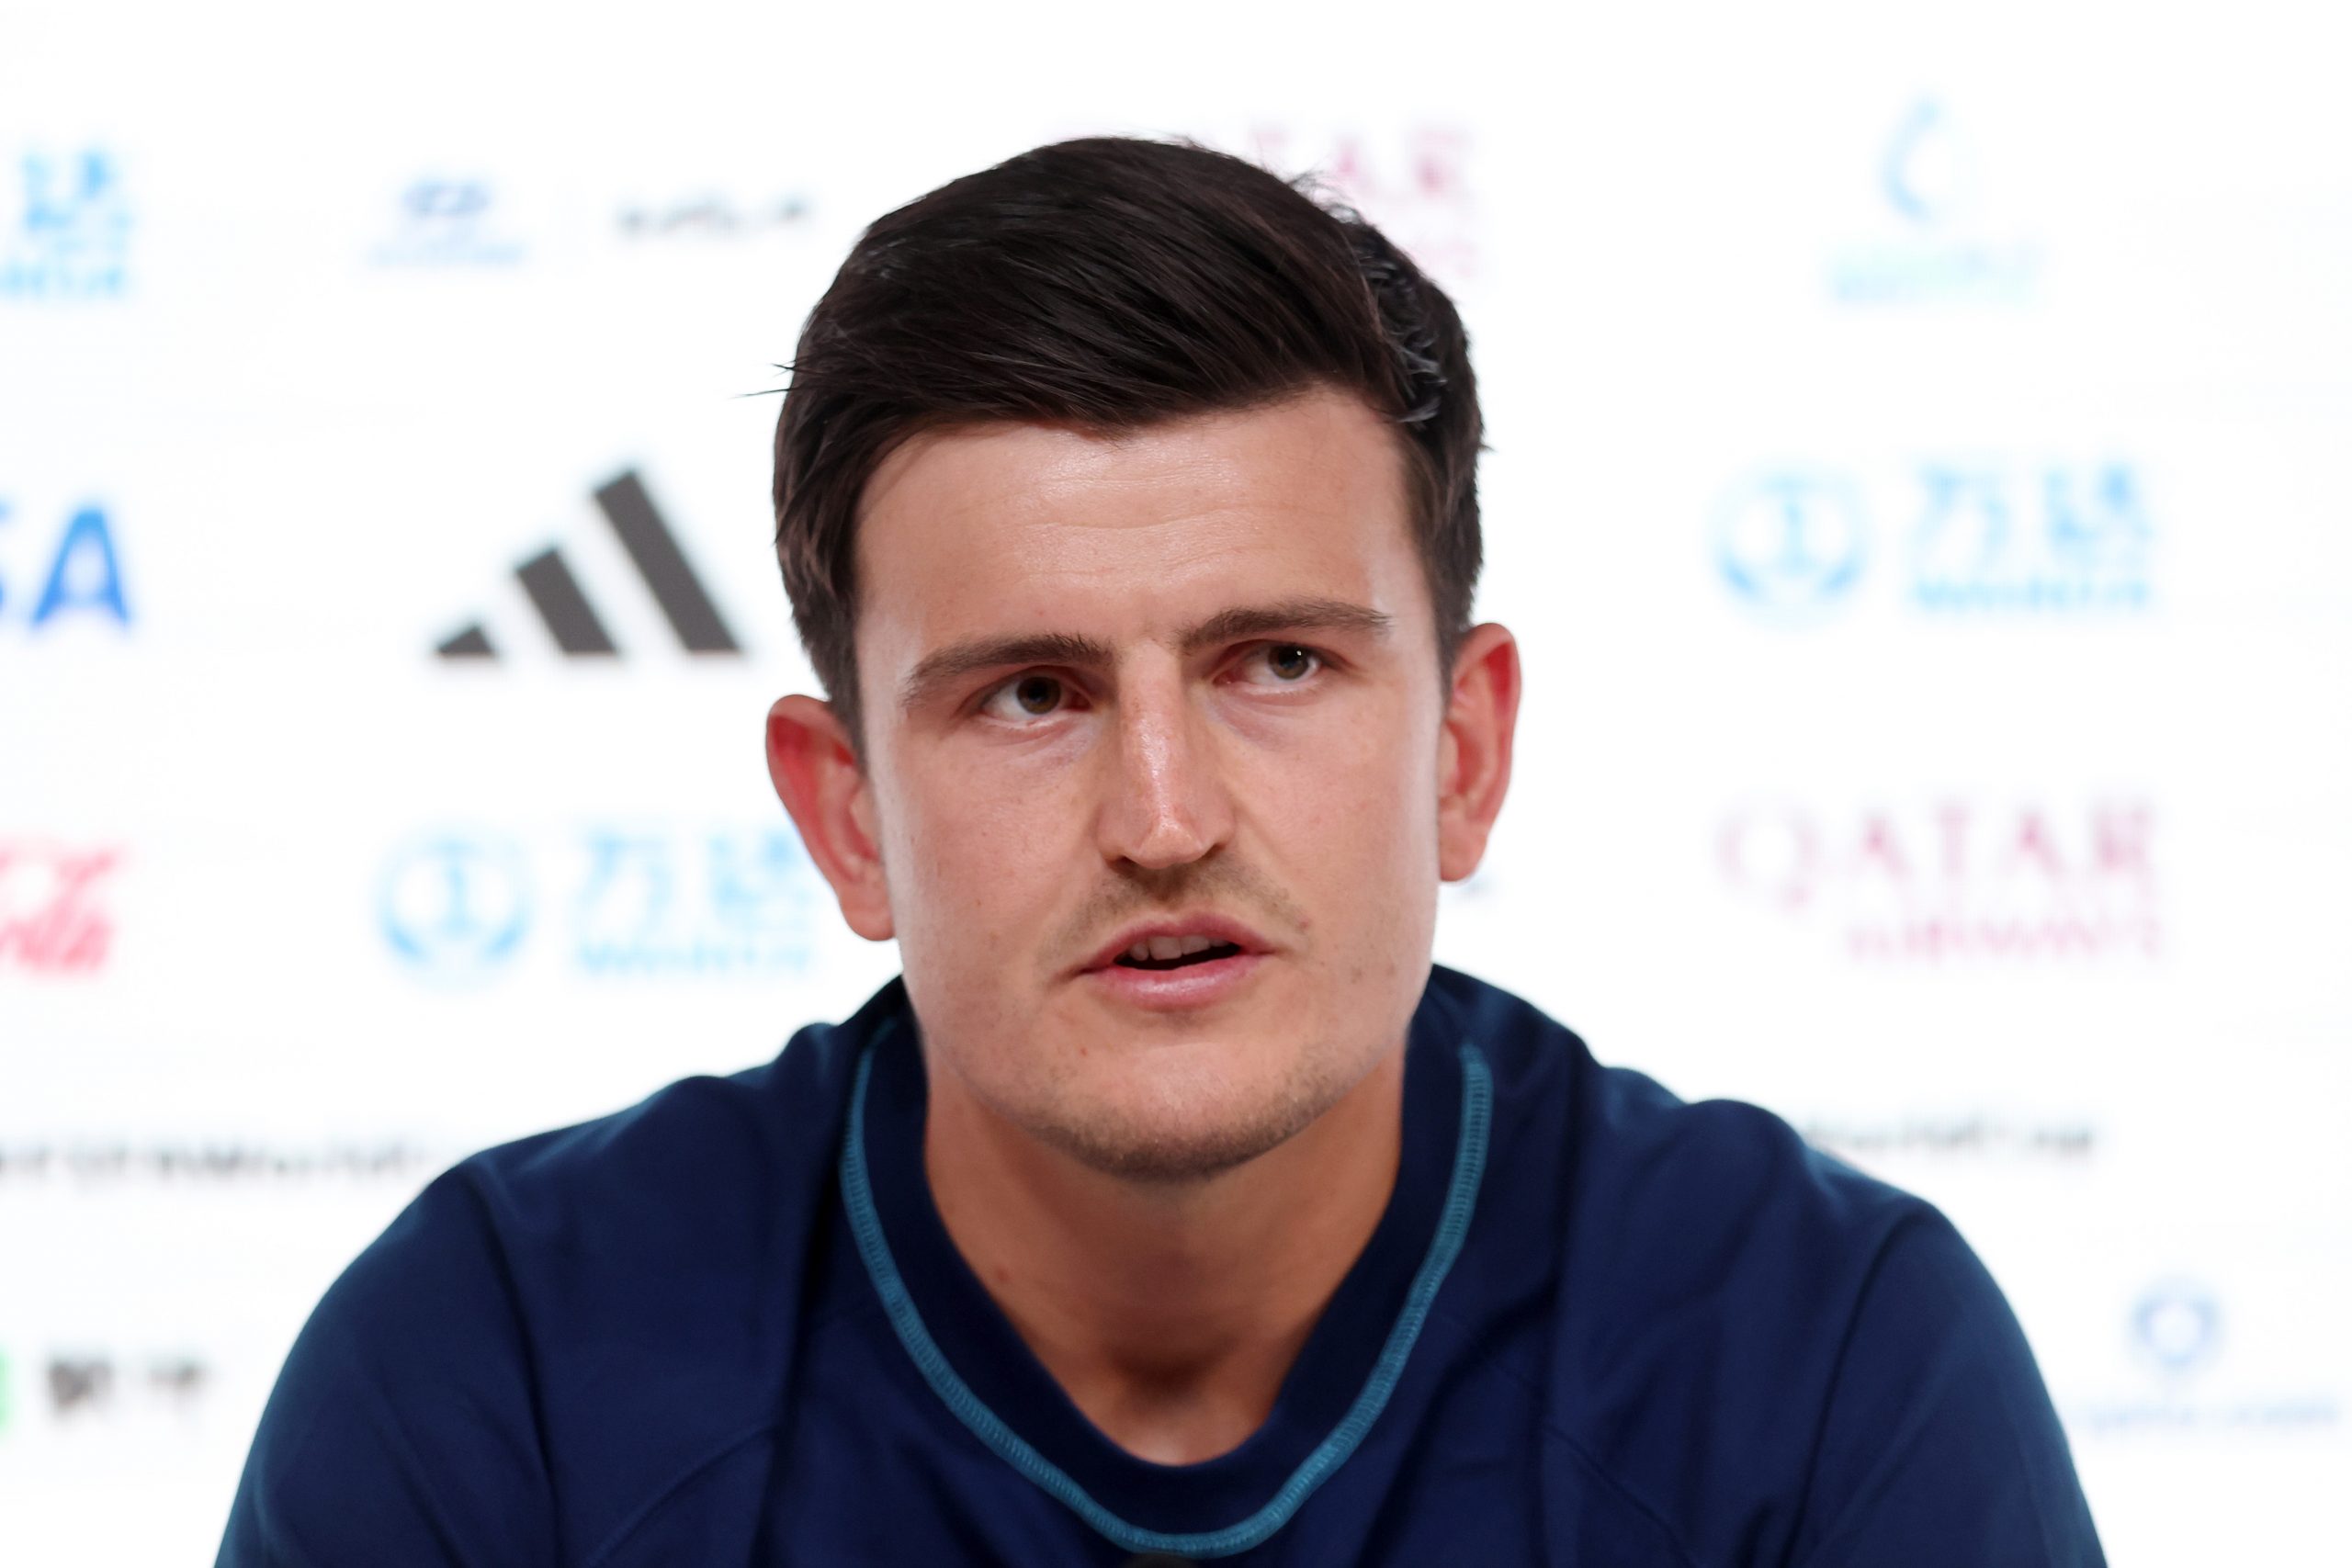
(972, 858)
(1351, 816)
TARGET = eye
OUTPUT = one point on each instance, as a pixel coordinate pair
(1288, 662)
(1026, 696)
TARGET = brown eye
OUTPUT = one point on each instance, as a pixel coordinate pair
(1026, 697)
(1291, 663)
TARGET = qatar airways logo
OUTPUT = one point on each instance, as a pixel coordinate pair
(1955, 879)
(54, 918)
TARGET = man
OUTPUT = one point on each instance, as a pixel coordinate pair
(1172, 1205)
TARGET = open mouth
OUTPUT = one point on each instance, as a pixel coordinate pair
(1174, 953)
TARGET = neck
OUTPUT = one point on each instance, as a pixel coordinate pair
(1168, 1312)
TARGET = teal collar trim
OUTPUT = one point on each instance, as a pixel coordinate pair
(1453, 1223)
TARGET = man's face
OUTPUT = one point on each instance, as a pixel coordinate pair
(1175, 684)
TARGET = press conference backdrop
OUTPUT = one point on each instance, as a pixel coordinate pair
(1916, 477)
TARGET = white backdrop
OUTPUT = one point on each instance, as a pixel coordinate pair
(1917, 477)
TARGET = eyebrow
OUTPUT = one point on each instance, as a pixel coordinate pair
(957, 660)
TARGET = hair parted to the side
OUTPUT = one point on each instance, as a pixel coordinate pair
(1111, 282)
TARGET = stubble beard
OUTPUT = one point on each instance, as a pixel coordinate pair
(1133, 1143)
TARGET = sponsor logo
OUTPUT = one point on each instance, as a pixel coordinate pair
(2176, 1326)
(83, 1385)
(117, 1162)
(75, 1390)
(2177, 1332)
(1978, 537)
(572, 620)
(661, 903)
(444, 222)
(69, 237)
(1413, 183)
(1792, 542)
(710, 216)
(1954, 880)
(53, 919)
(1961, 1136)
(643, 902)
(79, 575)
(1931, 246)
(454, 904)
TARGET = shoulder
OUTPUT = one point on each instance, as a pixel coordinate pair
(1701, 1250)
(1748, 1334)
(1643, 1185)
(695, 1169)
(696, 1209)
(557, 1328)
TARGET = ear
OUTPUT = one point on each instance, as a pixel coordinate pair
(1474, 752)
(818, 777)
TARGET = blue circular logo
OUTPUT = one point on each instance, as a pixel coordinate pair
(1791, 542)
(2178, 1325)
(454, 905)
(1930, 173)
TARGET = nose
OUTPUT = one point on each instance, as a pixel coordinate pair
(1165, 802)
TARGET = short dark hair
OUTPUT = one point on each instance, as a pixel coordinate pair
(1111, 282)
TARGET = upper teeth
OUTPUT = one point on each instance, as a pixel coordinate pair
(1164, 948)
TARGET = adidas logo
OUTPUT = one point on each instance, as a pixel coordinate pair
(570, 618)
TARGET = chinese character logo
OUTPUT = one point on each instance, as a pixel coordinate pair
(71, 239)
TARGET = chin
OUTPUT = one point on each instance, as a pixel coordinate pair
(1170, 1120)
(1168, 1154)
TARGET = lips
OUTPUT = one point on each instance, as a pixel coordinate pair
(1181, 966)
(1171, 944)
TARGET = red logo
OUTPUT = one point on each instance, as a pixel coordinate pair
(1956, 879)
(51, 918)
(1414, 184)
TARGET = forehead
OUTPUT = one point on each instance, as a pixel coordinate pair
(1019, 528)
